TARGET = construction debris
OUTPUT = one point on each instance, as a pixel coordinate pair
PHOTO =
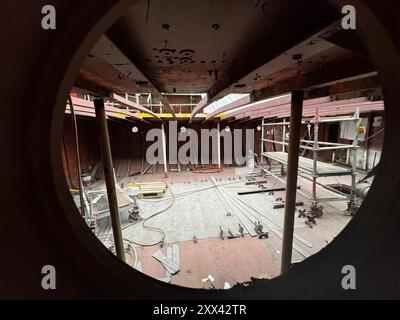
(221, 233)
(170, 265)
(281, 205)
(241, 230)
(262, 190)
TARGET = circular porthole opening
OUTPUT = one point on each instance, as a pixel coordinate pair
(179, 219)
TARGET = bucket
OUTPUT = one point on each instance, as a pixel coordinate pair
(133, 190)
(86, 179)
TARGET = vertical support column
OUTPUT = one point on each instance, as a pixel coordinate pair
(315, 159)
(219, 145)
(354, 159)
(262, 141)
(296, 112)
(283, 134)
(78, 158)
(164, 144)
(109, 176)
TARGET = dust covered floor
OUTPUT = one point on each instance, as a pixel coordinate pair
(193, 208)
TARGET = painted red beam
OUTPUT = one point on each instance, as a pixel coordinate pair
(319, 102)
(306, 112)
(82, 105)
(327, 111)
(260, 104)
(87, 113)
(200, 106)
(280, 102)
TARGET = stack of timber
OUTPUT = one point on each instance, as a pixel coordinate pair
(152, 189)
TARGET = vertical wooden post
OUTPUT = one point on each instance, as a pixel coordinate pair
(109, 176)
(296, 112)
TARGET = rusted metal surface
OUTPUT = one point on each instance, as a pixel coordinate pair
(107, 65)
(336, 71)
(348, 40)
(164, 48)
(368, 86)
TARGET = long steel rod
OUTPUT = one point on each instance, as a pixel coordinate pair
(284, 182)
(105, 149)
(78, 158)
(262, 142)
(273, 226)
(218, 145)
(323, 142)
(283, 134)
(315, 163)
(296, 111)
(324, 186)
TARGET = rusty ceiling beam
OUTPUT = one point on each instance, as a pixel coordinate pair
(337, 71)
(362, 85)
(349, 40)
(94, 87)
(261, 59)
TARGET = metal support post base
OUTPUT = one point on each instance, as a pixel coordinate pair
(316, 209)
(352, 207)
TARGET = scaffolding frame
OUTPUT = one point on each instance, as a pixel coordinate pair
(311, 172)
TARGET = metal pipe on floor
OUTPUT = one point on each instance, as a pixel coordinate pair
(105, 150)
(78, 158)
(296, 112)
